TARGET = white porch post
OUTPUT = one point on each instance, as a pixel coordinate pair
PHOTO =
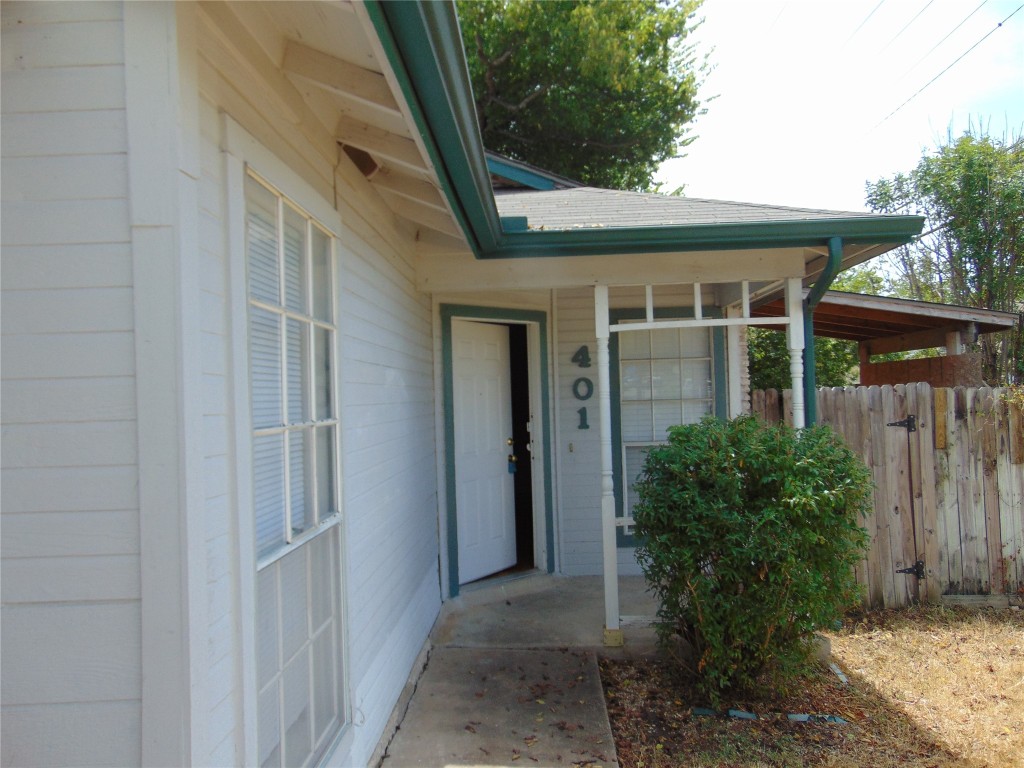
(612, 632)
(735, 363)
(795, 342)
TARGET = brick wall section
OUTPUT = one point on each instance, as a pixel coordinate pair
(950, 371)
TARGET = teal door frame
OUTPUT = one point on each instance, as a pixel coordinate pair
(538, 318)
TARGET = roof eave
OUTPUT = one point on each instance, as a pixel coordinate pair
(890, 231)
(424, 48)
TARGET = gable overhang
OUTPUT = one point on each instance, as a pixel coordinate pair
(423, 45)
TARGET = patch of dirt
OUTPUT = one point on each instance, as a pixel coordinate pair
(920, 694)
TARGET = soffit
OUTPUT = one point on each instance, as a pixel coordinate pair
(323, 60)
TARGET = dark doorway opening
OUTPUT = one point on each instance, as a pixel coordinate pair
(520, 375)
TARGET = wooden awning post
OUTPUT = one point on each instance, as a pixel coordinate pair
(612, 632)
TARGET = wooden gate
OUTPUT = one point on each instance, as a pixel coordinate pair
(949, 486)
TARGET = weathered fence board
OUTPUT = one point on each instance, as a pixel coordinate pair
(950, 493)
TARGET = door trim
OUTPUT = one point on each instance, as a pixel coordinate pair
(538, 376)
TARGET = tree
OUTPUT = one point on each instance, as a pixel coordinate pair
(972, 253)
(597, 91)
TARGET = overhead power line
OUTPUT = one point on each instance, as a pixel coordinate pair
(948, 34)
(865, 21)
(953, 64)
(907, 25)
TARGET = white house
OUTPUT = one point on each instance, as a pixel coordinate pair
(281, 372)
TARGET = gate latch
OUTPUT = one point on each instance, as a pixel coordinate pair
(917, 569)
(910, 423)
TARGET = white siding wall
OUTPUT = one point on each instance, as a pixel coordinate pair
(579, 469)
(389, 469)
(71, 585)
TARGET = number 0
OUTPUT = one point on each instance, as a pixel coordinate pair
(582, 388)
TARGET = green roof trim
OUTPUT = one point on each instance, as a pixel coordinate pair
(519, 174)
(424, 48)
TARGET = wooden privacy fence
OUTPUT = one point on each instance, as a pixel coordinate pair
(948, 466)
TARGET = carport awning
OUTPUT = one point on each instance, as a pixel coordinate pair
(894, 325)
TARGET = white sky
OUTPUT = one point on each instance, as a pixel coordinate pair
(803, 101)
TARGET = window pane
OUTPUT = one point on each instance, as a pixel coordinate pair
(294, 260)
(267, 663)
(298, 741)
(695, 410)
(298, 376)
(322, 309)
(325, 503)
(665, 343)
(294, 600)
(323, 341)
(269, 727)
(299, 480)
(322, 582)
(268, 491)
(636, 421)
(635, 345)
(696, 343)
(696, 378)
(667, 413)
(636, 455)
(261, 243)
(265, 353)
(665, 384)
(325, 704)
(636, 380)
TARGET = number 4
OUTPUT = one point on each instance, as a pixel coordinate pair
(582, 357)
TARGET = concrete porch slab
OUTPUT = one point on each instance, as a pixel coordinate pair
(500, 707)
(512, 678)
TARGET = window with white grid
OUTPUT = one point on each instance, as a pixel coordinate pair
(665, 379)
(292, 332)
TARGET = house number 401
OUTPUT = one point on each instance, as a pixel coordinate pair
(582, 388)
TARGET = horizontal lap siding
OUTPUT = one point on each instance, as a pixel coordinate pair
(389, 474)
(70, 577)
(579, 451)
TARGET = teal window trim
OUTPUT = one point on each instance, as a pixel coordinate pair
(451, 312)
(720, 406)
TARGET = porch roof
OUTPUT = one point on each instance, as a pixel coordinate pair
(423, 45)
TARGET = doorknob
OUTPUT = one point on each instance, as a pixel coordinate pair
(508, 441)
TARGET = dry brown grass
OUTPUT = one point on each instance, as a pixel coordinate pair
(958, 674)
(929, 688)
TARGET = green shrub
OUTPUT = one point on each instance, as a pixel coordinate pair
(748, 535)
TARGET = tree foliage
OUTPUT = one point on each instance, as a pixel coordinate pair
(596, 91)
(972, 253)
(835, 360)
(748, 536)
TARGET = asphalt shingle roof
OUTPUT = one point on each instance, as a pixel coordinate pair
(588, 207)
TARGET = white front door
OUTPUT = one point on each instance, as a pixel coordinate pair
(484, 491)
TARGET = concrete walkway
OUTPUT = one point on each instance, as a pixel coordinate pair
(512, 678)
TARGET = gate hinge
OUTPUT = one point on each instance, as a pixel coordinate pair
(917, 568)
(910, 423)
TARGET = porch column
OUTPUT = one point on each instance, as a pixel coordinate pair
(795, 343)
(612, 632)
(735, 362)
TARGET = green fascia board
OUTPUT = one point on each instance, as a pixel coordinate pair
(895, 230)
(520, 175)
(422, 42)
(424, 47)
